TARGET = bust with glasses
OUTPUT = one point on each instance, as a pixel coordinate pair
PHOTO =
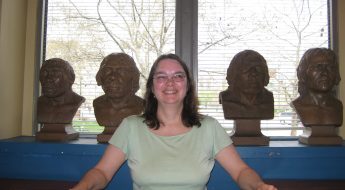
(119, 77)
(246, 96)
(318, 74)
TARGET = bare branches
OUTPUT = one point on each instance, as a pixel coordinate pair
(107, 29)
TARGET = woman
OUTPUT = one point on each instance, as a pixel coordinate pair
(170, 146)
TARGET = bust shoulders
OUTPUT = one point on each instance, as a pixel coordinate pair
(58, 110)
(310, 113)
(109, 114)
(235, 108)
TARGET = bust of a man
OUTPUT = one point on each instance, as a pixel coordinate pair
(246, 96)
(318, 74)
(58, 103)
(119, 77)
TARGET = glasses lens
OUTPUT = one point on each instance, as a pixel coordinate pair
(179, 77)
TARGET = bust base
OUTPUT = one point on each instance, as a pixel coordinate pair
(248, 132)
(320, 135)
(57, 132)
(251, 141)
(103, 138)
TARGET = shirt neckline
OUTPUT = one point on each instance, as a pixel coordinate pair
(169, 136)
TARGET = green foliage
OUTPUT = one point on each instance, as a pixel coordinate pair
(87, 126)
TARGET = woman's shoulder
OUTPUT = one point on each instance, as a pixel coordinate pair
(212, 129)
(131, 123)
(208, 120)
(134, 119)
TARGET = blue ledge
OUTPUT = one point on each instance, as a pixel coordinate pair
(24, 158)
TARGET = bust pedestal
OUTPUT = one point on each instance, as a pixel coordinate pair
(248, 132)
(320, 135)
(107, 133)
(57, 132)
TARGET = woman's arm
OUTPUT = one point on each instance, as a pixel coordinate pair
(245, 177)
(99, 176)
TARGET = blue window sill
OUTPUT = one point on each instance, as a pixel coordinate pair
(25, 158)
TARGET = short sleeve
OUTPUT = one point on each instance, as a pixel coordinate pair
(220, 139)
(120, 138)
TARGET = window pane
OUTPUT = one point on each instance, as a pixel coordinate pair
(280, 30)
(83, 32)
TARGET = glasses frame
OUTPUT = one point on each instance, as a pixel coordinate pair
(164, 78)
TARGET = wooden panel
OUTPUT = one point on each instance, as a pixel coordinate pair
(297, 166)
(308, 184)
(21, 184)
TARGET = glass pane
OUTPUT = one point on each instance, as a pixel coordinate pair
(280, 30)
(83, 32)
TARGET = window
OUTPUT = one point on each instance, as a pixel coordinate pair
(281, 31)
(84, 31)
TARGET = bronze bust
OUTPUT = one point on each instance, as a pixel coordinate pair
(246, 96)
(58, 103)
(318, 74)
(119, 78)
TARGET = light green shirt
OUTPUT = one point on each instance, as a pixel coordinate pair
(181, 162)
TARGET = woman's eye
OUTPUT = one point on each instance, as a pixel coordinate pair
(161, 77)
(179, 76)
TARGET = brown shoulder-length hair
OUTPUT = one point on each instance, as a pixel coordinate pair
(305, 61)
(122, 59)
(65, 65)
(245, 57)
(190, 115)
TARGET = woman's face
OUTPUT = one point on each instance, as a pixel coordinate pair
(169, 82)
(320, 74)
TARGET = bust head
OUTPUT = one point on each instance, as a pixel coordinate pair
(118, 75)
(246, 96)
(247, 72)
(318, 71)
(56, 77)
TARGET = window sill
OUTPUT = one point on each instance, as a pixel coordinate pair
(25, 158)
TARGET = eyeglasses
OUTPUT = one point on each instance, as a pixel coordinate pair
(163, 78)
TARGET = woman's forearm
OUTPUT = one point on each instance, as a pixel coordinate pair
(94, 179)
(99, 176)
(248, 179)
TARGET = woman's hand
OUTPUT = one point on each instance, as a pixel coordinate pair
(264, 186)
(80, 186)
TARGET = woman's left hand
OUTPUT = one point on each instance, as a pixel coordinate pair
(264, 186)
